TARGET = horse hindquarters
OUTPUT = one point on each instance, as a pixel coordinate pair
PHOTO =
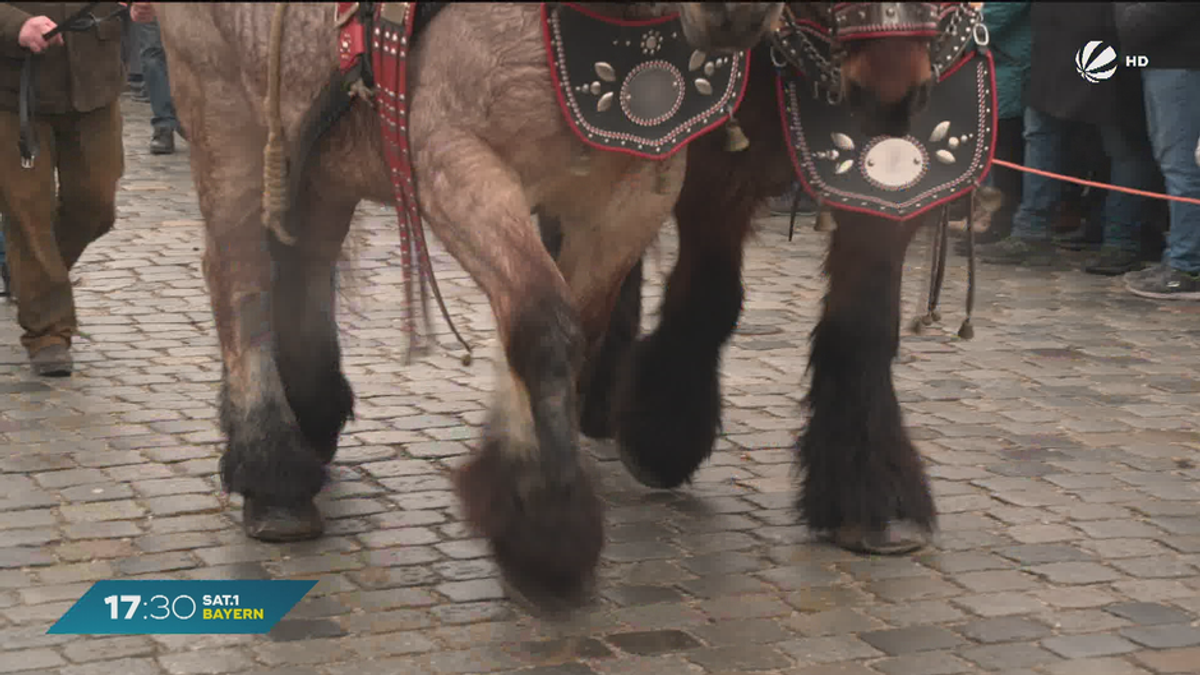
(864, 482)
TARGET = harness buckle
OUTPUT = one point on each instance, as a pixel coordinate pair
(981, 35)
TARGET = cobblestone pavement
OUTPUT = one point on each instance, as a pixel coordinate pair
(1063, 441)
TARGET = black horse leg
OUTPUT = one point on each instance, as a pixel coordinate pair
(864, 482)
(669, 398)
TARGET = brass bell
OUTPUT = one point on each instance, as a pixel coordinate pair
(735, 138)
(825, 220)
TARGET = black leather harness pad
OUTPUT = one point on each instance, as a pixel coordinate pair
(637, 86)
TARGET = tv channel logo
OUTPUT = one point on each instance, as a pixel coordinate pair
(1096, 61)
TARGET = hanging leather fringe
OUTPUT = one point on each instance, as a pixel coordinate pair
(274, 162)
(937, 272)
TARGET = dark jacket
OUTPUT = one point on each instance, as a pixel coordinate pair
(84, 74)
(1164, 32)
(1060, 29)
(1008, 25)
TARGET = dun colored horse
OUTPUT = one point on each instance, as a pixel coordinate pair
(488, 143)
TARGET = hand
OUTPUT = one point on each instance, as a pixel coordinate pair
(141, 12)
(32, 32)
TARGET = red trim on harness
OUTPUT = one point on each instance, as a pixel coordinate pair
(557, 85)
(582, 9)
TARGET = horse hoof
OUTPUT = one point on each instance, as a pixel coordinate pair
(897, 538)
(279, 523)
(640, 473)
(544, 605)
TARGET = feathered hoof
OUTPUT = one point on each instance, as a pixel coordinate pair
(281, 523)
(546, 530)
(644, 475)
(897, 538)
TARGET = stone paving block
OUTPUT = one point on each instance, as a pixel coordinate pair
(923, 663)
(1171, 660)
(909, 640)
(1148, 613)
(1097, 666)
(1087, 646)
(1164, 636)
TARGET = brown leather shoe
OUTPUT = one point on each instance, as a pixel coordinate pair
(52, 361)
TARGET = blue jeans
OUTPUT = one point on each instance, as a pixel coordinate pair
(1172, 99)
(1131, 166)
(154, 74)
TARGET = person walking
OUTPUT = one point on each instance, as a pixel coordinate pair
(1164, 33)
(156, 80)
(1008, 25)
(4, 283)
(77, 125)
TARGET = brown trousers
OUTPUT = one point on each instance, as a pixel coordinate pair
(48, 229)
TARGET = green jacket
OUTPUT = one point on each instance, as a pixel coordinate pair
(85, 74)
(1012, 46)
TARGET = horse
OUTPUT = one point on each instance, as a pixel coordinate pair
(279, 171)
(864, 485)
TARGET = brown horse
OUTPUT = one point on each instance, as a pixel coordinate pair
(489, 143)
(864, 484)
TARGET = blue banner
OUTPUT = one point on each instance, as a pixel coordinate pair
(167, 607)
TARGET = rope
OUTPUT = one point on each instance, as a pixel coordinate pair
(274, 162)
(1095, 184)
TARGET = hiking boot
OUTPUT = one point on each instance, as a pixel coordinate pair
(993, 234)
(1013, 251)
(1113, 261)
(1081, 239)
(52, 361)
(162, 142)
(1168, 284)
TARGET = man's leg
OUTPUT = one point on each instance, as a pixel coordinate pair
(1130, 165)
(40, 280)
(1029, 243)
(4, 282)
(1172, 97)
(92, 160)
(158, 88)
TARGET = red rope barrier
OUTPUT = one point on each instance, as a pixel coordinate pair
(1089, 183)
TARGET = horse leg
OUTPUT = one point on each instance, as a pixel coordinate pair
(864, 482)
(602, 367)
(525, 489)
(669, 398)
(268, 460)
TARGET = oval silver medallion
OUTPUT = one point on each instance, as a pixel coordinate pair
(652, 93)
(894, 163)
